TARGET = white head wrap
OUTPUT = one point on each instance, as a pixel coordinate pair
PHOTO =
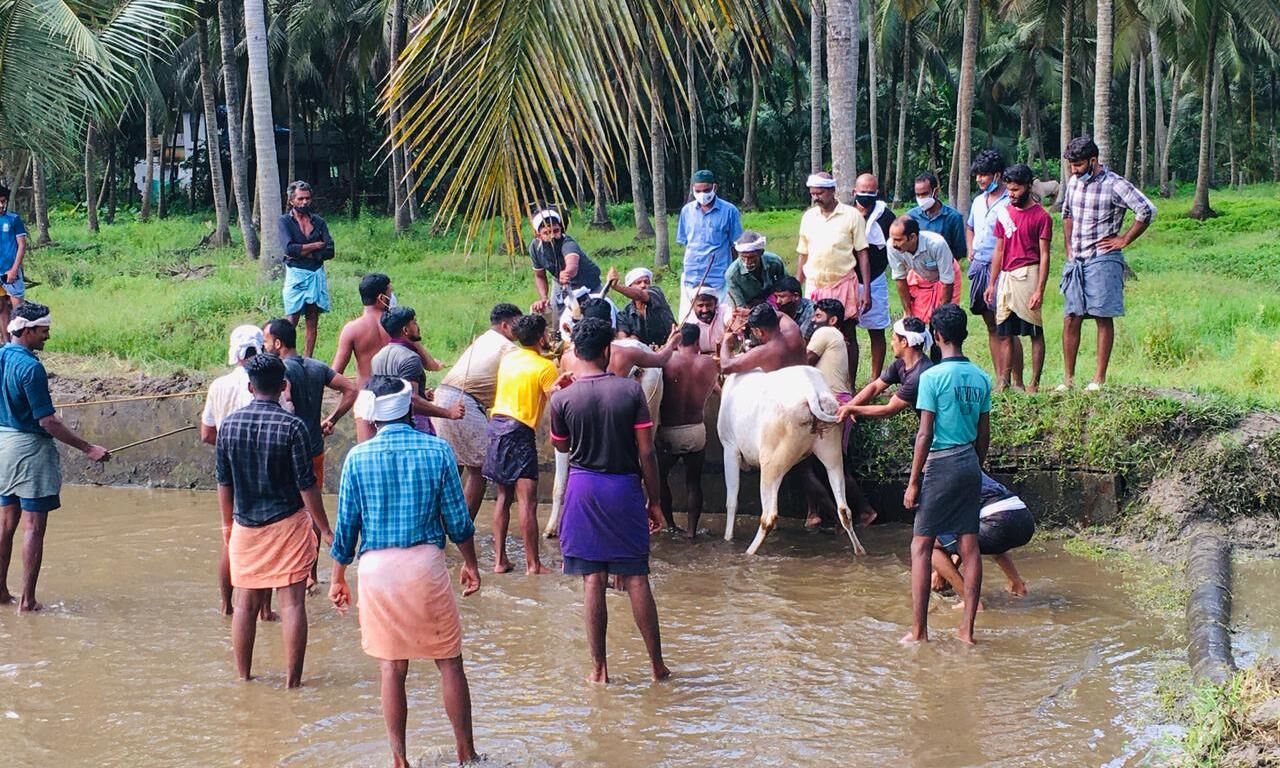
(384, 408)
(243, 339)
(543, 215)
(639, 273)
(914, 339)
(821, 182)
(752, 245)
(19, 323)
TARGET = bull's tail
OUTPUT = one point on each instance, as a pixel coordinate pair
(823, 405)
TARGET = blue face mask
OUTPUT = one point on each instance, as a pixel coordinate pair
(992, 186)
(1087, 175)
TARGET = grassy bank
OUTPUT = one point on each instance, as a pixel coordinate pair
(1204, 314)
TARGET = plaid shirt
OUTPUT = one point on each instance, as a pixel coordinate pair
(1096, 209)
(399, 490)
(262, 454)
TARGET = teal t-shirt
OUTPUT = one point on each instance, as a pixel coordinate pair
(957, 392)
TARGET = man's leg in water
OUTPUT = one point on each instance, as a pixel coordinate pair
(597, 619)
(501, 521)
(867, 514)
(457, 705)
(693, 489)
(1016, 585)
(473, 489)
(10, 516)
(33, 528)
(645, 611)
(878, 348)
(971, 561)
(921, 555)
(527, 498)
(666, 462)
(943, 566)
(293, 611)
(395, 707)
(244, 628)
(224, 579)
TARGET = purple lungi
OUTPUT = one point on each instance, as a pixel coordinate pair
(605, 518)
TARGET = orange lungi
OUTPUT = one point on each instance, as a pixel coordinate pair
(847, 290)
(926, 295)
(406, 603)
(274, 555)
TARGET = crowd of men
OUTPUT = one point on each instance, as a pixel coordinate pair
(419, 470)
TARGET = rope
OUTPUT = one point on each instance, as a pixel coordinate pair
(152, 439)
(128, 399)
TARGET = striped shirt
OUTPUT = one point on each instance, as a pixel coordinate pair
(263, 455)
(1096, 209)
(398, 490)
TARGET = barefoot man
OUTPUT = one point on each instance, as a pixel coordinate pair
(688, 379)
(399, 497)
(525, 382)
(266, 487)
(364, 336)
(603, 423)
(30, 470)
(1004, 524)
(946, 469)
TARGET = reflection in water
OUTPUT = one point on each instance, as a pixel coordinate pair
(787, 658)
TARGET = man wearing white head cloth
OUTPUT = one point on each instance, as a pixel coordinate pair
(648, 314)
(753, 274)
(399, 498)
(30, 470)
(555, 252)
(833, 257)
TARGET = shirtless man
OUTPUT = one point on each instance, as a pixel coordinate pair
(687, 381)
(779, 343)
(624, 356)
(364, 336)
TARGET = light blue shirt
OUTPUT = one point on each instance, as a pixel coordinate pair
(982, 220)
(11, 230)
(957, 392)
(707, 237)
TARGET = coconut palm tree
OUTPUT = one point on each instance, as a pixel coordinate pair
(213, 144)
(255, 35)
(816, 134)
(843, 38)
(1102, 64)
(964, 103)
(235, 130)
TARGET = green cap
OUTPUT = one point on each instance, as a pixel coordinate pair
(703, 177)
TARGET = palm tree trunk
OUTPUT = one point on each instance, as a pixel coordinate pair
(41, 201)
(816, 134)
(843, 39)
(1213, 126)
(749, 202)
(1102, 69)
(235, 137)
(1143, 165)
(397, 156)
(1166, 185)
(964, 101)
(90, 190)
(601, 219)
(1200, 208)
(1232, 178)
(579, 174)
(657, 157)
(691, 94)
(410, 193)
(873, 114)
(213, 144)
(290, 163)
(255, 32)
(149, 175)
(644, 230)
(900, 161)
(1064, 119)
(109, 182)
(1132, 109)
(193, 122)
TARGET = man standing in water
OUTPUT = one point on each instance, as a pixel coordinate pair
(688, 379)
(307, 246)
(30, 469)
(266, 487)
(946, 470)
(400, 496)
(603, 423)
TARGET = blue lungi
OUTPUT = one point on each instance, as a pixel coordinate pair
(303, 287)
(1094, 287)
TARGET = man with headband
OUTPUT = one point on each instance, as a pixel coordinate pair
(552, 250)
(399, 498)
(30, 470)
(708, 226)
(648, 313)
(751, 277)
(833, 257)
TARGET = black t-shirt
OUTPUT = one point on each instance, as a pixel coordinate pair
(550, 257)
(878, 255)
(599, 415)
(908, 380)
(655, 327)
(307, 380)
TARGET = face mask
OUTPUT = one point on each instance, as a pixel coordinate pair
(303, 210)
(1088, 174)
(925, 203)
(704, 198)
(866, 200)
(991, 187)
(391, 301)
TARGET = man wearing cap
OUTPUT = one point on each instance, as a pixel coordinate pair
(708, 226)
(833, 257)
(879, 216)
(648, 314)
(399, 499)
(554, 251)
(30, 469)
(751, 276)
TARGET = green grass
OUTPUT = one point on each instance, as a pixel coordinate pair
(1203, 316)
(1226, 724)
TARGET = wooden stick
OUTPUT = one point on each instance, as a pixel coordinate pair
(130, 399)
(152, 439)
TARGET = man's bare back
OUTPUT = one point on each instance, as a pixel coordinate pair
(362, 337)
(688, 379)
(783, 349)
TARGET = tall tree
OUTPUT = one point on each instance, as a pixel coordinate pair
(235, 132)
(873, 114)
(90, 189)
(255, 34)
(964, 102)
(1132, 109)
(658, 156)
(749, 202)
(1064, 119)
(600, 220)
(1143, 165)
(635, 165)
(148, 153)
(817, 136)
(1102, 65)
(40, 195)
(1200, 207)
(213, 144)
(843, 38)
(397, 156)
(901, 161)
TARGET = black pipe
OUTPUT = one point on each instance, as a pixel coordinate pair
(1209, 606)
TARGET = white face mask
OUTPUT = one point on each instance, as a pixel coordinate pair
(391, 301)
(704, 198)
(925, 203)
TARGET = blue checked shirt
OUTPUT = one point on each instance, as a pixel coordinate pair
(1096, 209)
(399, 490)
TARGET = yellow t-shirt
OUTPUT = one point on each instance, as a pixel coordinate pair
(831, 244)
(525, 381)
(833, 358)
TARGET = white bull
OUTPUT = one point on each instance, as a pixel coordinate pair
(774, 421)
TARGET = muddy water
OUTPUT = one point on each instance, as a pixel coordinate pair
(787, 659)
(1255, 612)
